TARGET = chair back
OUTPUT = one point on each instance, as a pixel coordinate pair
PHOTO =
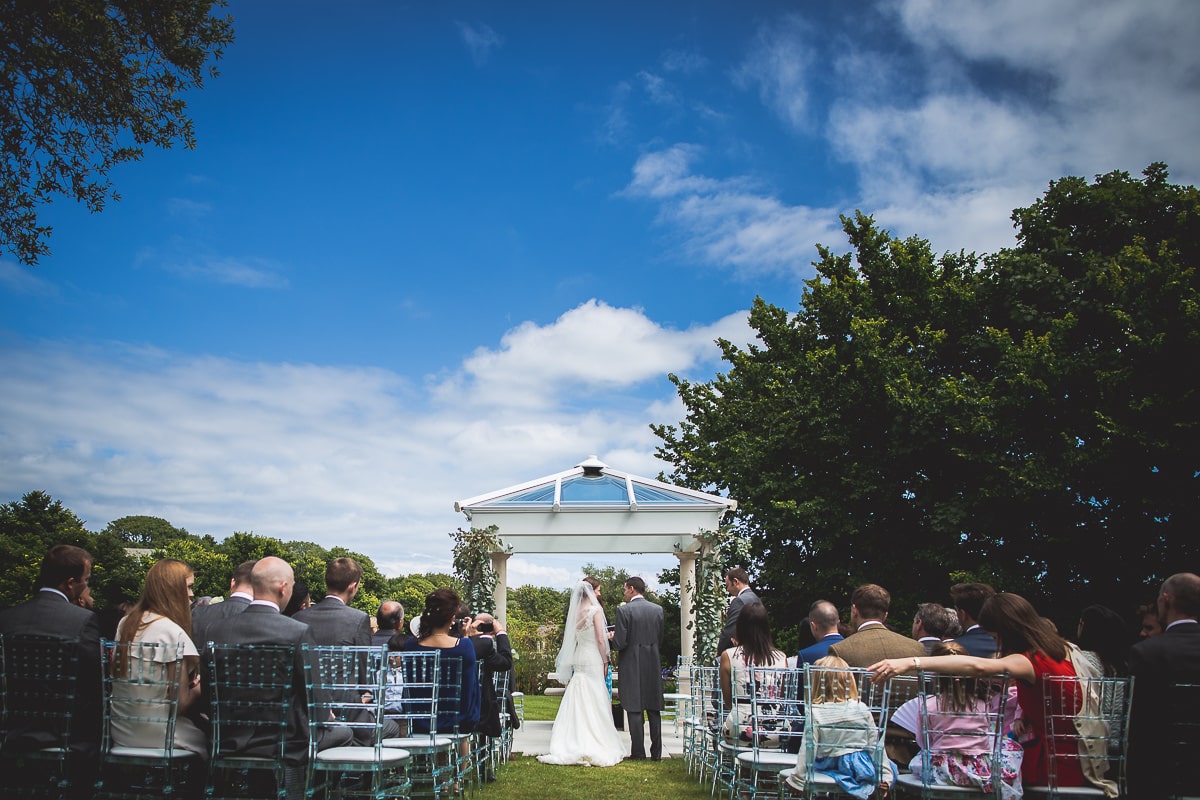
(845, 716)
(1087, 722)
(1179, 742)
(253, 701)
(960, 717)
(349, 687)
(40, 688)
(776, 707)
(141, 694)
(412, 691)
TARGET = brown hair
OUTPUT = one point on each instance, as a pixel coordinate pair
(340, 573)
(595, 584)
(970, 597)
(872, 601)
(753, 632)
(1018, 628)
(165, 593)
(61, 563)
(737, 574)
(955, 694)
(441, 607)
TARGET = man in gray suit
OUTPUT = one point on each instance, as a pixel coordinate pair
(240, 595)
(638, 636)
(737, 583)
(390, 619)
(261, 623)
(332, 620)
(52, 611)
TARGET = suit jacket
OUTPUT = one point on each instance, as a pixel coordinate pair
(819, 650)
(50, 614)
(744, 598)
(203, 617)
(494, 655)
(262, 624)
(1156, 664)
(875, 643)
(638, 636)
(380, 638)
(335, 623)
(978, 643)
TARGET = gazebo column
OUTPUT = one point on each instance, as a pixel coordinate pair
(687, 593)
(500, 593)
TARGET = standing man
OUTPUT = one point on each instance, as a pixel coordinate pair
(737, 583)
(1158, 756)
(493, 653)
(390, 619)
(333, 621)
(240, 595)
(638, 637)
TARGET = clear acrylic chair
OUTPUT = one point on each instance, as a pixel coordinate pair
(41, 690)
(776, 718)
(142, 683)
(415, 690)
(256, 750)
(845, 719)
(959, 719)
(349, 688)
(707, 714)
(1087, 726)
(1180, 738)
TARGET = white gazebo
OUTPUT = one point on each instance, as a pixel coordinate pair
(593, 508)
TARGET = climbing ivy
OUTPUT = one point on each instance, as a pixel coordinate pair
(473, 566)
(721, 550)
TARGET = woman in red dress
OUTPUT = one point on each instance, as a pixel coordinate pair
(1029, 651)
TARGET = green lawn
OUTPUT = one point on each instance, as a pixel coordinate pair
(539, 706)
(528, 778)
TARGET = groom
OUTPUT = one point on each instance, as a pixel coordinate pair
(638, 635)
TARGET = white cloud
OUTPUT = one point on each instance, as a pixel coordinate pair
(342, 455)
(248, 273)
(21, 280)
(778, 66)
(729, 222)
(481, 41)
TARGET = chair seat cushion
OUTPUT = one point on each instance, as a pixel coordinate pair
(149, 752)
(778, 759)
(419, 744)
(366, 755)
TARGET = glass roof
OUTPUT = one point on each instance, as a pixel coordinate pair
(597, 490)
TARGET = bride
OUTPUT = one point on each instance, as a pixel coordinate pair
(583, 730)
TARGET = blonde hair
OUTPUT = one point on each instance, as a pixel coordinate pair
(835, 683)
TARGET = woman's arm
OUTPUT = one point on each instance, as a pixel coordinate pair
(600, 629)
(726, 679)
(189, 683)
(1016, 665)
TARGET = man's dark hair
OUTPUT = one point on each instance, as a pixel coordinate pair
(737, 574)
(970, 597)
(936, 620)
(637, 584)
(61, 563)
(872, 601)
(340, 573)
(241, 573)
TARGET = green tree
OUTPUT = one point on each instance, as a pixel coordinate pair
(212, 567)
(538, 604)
(141, 531)
(28, 528)
(84, 85)
(1023, 415)
(473, 565)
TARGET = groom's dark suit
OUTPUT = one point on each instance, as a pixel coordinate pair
(638, 636)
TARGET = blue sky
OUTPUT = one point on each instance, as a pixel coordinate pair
(427, 250)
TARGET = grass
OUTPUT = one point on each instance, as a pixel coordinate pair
(526, 777)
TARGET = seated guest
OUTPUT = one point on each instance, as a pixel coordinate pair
(872, 640)
(823, 621)
(843, 733)
(933, 624)
(968, 602)
(301, 599)
(1158, 760)
(261, 623)
(240, 595)
(1105, 641)
(441, 614)
(389, 619)
(1148, 621)
(163, 617)
(52, 611)
(754, 648)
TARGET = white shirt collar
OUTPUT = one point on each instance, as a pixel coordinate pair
(264, 603)
(247, 595)
(1182, 622)
(869, 623)
(56, 591)
(335, 597)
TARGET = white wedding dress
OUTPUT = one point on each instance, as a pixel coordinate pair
(584, 732)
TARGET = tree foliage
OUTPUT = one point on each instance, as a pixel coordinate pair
(1028, 417)
(84, 85)
(473, 567)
